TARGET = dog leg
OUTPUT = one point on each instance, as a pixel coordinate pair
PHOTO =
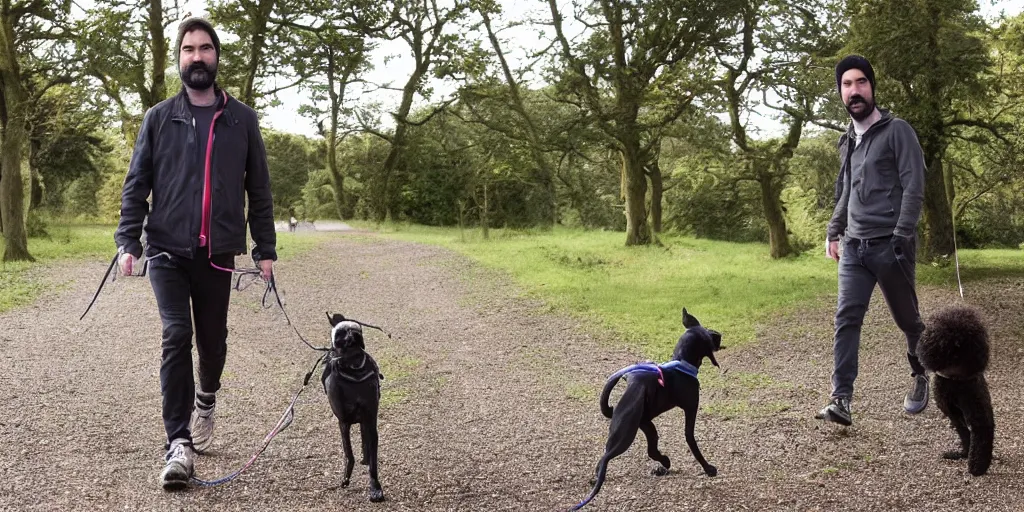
(956, 419)
(691, 421)
(980, 456)
(369, 435)
(346, 443)
(651, 432)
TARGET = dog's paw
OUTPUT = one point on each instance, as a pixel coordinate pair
(376, 495)
(344, 483)
(659, 471)
(954, 455)
(977, 468)
(711, 470)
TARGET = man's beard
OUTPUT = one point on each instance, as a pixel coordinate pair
(864, 113)
(199, 76)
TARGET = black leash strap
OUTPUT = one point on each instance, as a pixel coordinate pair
(272, 286)
(106, 274)
(343, 319)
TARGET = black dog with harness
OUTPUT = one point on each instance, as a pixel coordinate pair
(351, 379)
(653, 390)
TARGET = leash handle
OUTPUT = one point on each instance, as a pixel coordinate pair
(106, 274)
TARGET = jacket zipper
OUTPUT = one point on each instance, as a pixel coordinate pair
(204, 230)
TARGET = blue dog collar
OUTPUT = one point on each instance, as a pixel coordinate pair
(658, 369)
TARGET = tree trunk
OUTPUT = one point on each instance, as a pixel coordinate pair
(12, 200)
(637, 230)
(12, 195)
(158, 87)
(938, 236)
(337, 178)
(657, 190)
(771, 197)
(395, 152)
(462, 220)
(256, 46)
(484, 227)
(35, 187)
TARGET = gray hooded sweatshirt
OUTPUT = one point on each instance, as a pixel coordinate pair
(880, 188)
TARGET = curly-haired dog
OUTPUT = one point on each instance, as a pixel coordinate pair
(652, 390)
(351, 380)
(955, 347)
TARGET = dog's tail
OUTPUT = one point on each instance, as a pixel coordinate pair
(606, 393)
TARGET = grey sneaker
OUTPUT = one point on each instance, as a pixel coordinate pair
(837, 411)
(917, 398)
(178, 469)
(202, 426)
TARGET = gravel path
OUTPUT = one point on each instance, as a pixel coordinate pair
(489, 402)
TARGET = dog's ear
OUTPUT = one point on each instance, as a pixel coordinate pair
(689, 320)
(336, 318)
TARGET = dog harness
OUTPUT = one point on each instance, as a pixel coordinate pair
(658, 369)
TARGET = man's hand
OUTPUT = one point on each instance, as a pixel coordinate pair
(127, 263)
(266, 269)
(832, 249)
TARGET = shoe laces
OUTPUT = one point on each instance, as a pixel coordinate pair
(177, 451)
(842, 403)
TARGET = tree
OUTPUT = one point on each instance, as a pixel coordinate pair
(123, 45)
(333, 59)
(63, 142)
(794, 43)
(266, 32)
(521, 126)
(931, 61)
(291, 158)
(421, 25)
(641, 67)
(26, 30)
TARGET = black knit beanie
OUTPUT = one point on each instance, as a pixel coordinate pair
(196, 23)
(855, 62)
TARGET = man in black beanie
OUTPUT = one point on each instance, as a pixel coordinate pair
(199, 156)
(879, 195)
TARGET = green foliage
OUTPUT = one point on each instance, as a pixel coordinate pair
(291, 158)
(317, 198)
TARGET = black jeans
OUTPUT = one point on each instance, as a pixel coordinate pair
(177, 281)
(863, 264)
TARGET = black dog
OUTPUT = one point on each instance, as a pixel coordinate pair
(955, 347)
(653, 390)
(351, 380)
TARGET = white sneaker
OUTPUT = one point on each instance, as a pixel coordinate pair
(178, 469)
(202, 427)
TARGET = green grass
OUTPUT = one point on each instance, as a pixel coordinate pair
(82, 242)
(638, 291)
(65, 242)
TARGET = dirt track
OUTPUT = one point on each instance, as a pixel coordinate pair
(490, 403)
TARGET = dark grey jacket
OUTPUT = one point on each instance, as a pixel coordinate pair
(164, 163)
(880, 188)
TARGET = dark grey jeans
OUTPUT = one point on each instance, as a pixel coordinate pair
(863, 264)
(190, 291)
